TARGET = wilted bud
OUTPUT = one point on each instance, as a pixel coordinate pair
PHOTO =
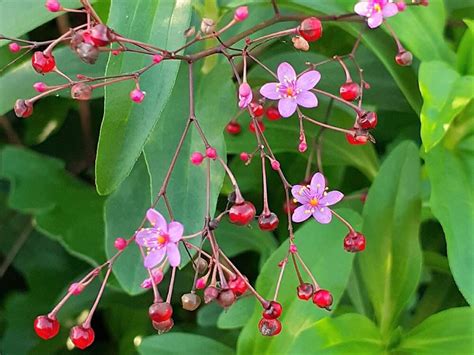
(190, 301)
(101, 35)
(23, 108)
(201, 265)
(226, 298)
(208, 26)
(81, 91)
(300, 43)
(87, 52)
(210, 294)
(189, 32)
(404, 58)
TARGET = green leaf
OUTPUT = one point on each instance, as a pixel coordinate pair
(347, 334)
(65, 209)
(182, 343)
(126, 125)
(445, 96)
(447, 332)
(238, 314)
(465, 63)
(391, 264)
(297, 314)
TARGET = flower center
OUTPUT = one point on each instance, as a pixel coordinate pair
(162, 239)
(313, 202)
(290, 92)
(377, 8)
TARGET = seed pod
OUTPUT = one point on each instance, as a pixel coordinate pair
(87, 52)
(190, 301)
(81, 92)
(208, 26)
(201, 265)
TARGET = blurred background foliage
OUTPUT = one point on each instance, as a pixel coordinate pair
(64, 197)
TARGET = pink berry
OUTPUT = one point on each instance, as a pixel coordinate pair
(238, 285)
(40, 87)
(241, 13)
(275, 164)
(244, 156)
(137, 95)
(157, 58)
(52, 5)
(293, 249)
(197, 158)
(211, 153)
(76, 288)
(14, 47)
(120, 243)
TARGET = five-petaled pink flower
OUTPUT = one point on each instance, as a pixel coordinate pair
(375, 11)
(314, 200)
(292, 91)
(160, 240)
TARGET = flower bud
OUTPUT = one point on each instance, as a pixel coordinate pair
(52, 5)
(241, 13)
(208, 26)
(14, 47)
(40, 87)
(76, 288)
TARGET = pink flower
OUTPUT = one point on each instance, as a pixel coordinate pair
(314, 200)
(245, 95)
(161, 240)
(292, 91)
(157, 278)
(375, 11)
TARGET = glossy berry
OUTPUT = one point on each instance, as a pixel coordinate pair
(163, 327)
(226, 298)
(349, 91)
(244, 156)
(14, 47)
(120, 243)
(260, 125)
(272, 113)
(100, 35)
(256, 109)
(305, 291)
(42, 63)
(210, 294)
(81, 337)
(310, 29)
(23, 108)
(211, 153)
(404, 58)
(197, 158)
(356, 138)
(160, 311)
(354, 242)
(137, 95)
(268, 222)
(243, 213)
(46, 327)
(368, 120)
(269, 327)
(241, 13)
(322, 299)
(238, 285)
(190, 301)
(273, 311)
(81, 91)
(233, 128)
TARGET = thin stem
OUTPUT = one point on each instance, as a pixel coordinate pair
(170, 289)
(87, 322)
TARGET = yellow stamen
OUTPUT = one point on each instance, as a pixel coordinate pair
(289, 92)
(161, 239)
(313, 202)
(377, 8)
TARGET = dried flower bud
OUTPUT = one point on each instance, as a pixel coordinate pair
(190, 301)
(226, 298)
(210, 294)
(87, 52)
(201, 265)
(81, 92)
(208, 26)
(190, 32)
(404, 58)
(23, 108)
(300, 43)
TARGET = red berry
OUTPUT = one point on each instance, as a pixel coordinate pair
(81, 337)
(244, 156)
(268, 222)
(243, 213)
(368, 120)
(356, 138)
(100, 35)
(354, 242)
(260, 125)
(23, 108)
(273, 113)
(238, 285)
(273, 311)
(322, 299)
(256, 109)
(226, 298)
(160, 312)
(305, 291)
(46, 327)
(269, 327)
(404, 58)
(233, 128)
(310, 29)
(43, 63)
(163, 327)
(120, 243)
(349, 91)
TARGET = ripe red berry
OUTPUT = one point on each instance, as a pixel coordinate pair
(268, 222)
(256, 109)
(273, 113)
(163, 327)
(310, 29)
(42, 63)
(368, 120)
(238, 285)
(273, 311)
(269, 327)
(305, 291)
(349, 91)
(81, 337)
(356, 138)
(46, 327)
(100, 35)
(260, 125)
(160, 311)
(354, 242)
(322, 299)
(23, 108)
(404, 58)
(233, 128)
(226, 298)
(243, 213)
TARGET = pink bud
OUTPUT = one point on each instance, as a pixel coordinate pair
(120, 244)
(244, 156)
(40, 87)
(200, 283)
(245, 90)
(14, 47)
(157, 58)
(52, 5)
(241, 13)
(197, 158)
(137, 95)
(401, 5)
(275, 164)
(116, 52)
(76, 288)
(293, 249)
(211, 153)
(302, 147)
(157, 276)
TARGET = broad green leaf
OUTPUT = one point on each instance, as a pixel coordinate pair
(445, 96)
(18, 82)
(447, 332)
(238, 314)
(297, 314)
(182, 343)
(465, 63)
(126, 125)
(347, 334)
(391, 264)
(64, 208)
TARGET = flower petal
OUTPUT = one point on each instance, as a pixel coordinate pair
(286, 73)
(287, 107)
(245, 101)
(154, 257)
(362, 8)
(318, 184)
(390, 10)
(175, 231)
(300, 193)
(308, 80)
(331, 198)
(307, 99)
(322, 215)
(375, 20)
(174, 256)
(147, 237)
(270, 91)
(157, 220)
(301, 214)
